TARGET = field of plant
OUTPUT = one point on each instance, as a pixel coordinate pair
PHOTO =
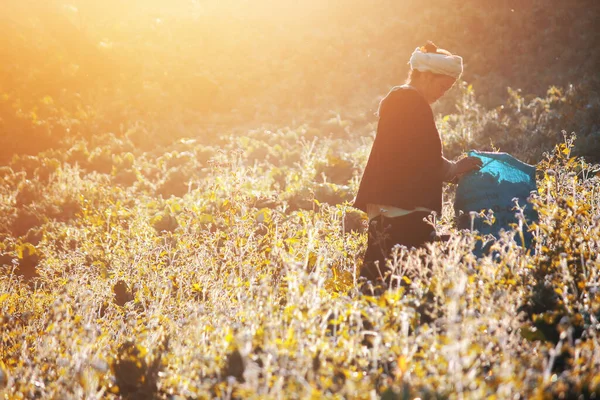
(176, 183)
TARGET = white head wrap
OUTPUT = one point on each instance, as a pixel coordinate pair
(436, 63)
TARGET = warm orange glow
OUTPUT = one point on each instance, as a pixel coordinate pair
(215, 64)
(180, 200)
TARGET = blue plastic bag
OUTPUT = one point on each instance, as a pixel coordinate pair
(501, 179)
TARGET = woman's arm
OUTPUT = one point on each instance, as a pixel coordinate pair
(453, 169)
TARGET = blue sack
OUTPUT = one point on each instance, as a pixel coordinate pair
(500, 179)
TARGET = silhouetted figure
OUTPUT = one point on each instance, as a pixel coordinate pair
(402, 182)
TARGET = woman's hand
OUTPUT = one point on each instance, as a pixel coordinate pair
(467, 164)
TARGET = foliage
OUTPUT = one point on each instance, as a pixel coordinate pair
(153, 72)
(175, 226)
(525, 126)
(244, 285)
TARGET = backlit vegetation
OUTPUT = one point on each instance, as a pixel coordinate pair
(175, 219)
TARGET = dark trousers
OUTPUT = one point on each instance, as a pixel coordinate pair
(384, 233)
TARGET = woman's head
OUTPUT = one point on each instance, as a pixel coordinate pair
(433, 71)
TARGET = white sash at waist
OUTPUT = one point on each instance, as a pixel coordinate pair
(375, 210)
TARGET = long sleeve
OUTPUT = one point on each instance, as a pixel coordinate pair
(406, 166)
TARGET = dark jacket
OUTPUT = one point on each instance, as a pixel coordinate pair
(405, 167)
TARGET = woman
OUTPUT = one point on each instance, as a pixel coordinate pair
(402, 182)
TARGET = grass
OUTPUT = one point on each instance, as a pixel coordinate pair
(239, 289)
(175, 217)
